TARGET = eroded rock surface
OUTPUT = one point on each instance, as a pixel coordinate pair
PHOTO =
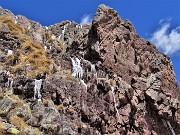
(123, 84)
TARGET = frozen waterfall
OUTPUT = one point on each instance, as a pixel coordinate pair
(37, 88)
(77, 68)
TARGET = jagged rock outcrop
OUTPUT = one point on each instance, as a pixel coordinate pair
(122, 83)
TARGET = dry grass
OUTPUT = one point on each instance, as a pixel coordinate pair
(19, 122)
(71, 110)
(63, 47)
(29, 52)
(2, 128)
(55, 41)
(59, 107)
(20, 102)
(112, 82)
(66, 74)
(37, 131)
(1, 95)
(12, 26)
(46, 101)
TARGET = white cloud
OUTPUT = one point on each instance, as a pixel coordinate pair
(167, 40)
(86, 19)
(162, 21)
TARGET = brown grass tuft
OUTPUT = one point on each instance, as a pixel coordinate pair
(19, 122)
(2, 128)
(20, 102)
(29, 52)
(59, 107)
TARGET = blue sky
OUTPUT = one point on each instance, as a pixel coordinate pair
(156, 20)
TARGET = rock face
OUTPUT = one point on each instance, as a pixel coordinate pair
(123, 84)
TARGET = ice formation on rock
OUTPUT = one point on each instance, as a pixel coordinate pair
(63, 32)
(9, 83)
(37, 89)
(15, 22)
(115, 104)
(82, 81)
(10, 52)
(93, 68)
(170, 127)
(77, 68)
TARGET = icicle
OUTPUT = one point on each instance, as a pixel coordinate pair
(10, 52)
(93, 68)
(107, 77)
(59, 37)
(7, 73)
(82, 81)
(97, 80)
(9, 83)
(170, 127)
(115, 104)
(77, 68)
(74, 67)
(64, 27)
(37, 88)
(63, 32)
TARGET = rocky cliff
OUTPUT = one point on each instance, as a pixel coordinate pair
(73, 79)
